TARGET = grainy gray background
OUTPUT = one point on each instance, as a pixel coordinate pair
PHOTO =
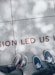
(20, 19)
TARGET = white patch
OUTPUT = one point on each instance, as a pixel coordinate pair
(2, 73)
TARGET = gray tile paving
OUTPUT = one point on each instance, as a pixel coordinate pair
(21, 19)
(32, 8)
(5, 10)
(6, 50)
